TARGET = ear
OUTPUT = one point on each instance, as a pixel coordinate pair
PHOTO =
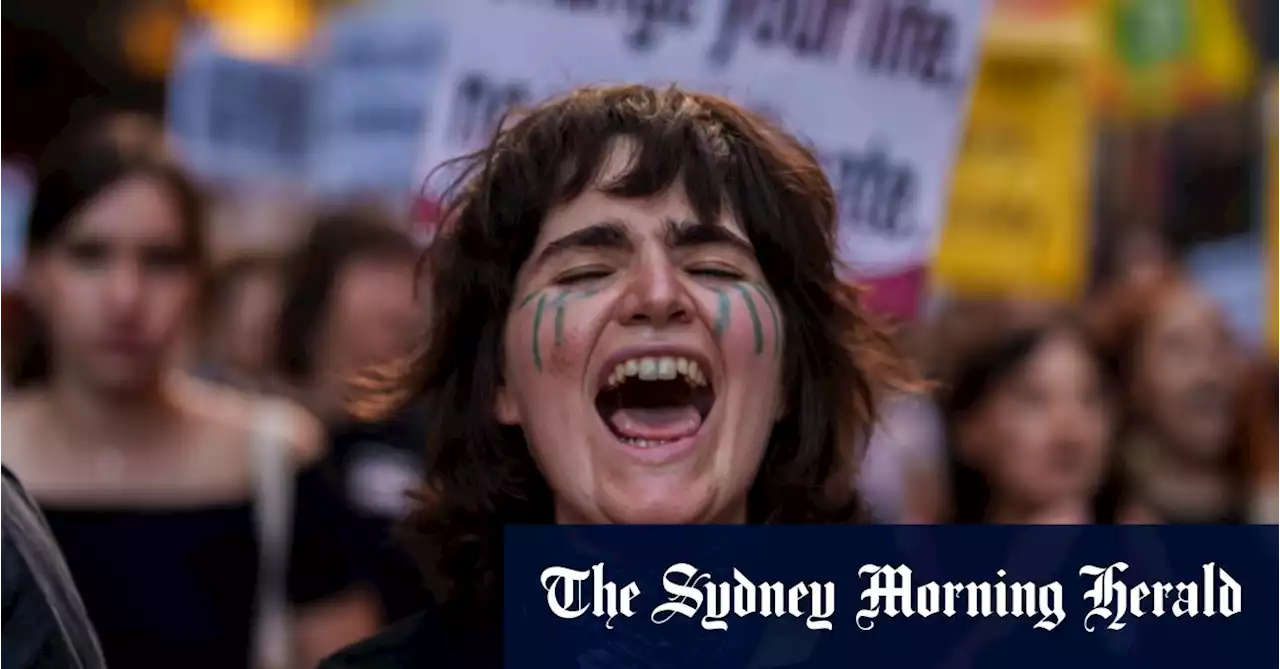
(505, 409)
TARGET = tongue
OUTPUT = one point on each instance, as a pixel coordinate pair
(657, 424)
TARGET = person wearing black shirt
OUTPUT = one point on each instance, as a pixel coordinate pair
(157, 487)
(350, 303)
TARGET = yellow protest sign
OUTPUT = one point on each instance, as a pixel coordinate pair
(1018, 214)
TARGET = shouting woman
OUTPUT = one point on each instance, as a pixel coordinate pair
(637, 319)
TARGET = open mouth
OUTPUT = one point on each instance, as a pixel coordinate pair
(652, 401)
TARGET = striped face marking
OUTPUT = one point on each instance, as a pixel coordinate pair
(748, 291)
(559, 298)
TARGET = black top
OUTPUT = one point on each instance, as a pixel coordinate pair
(45, 626)
(418, 642)
(379, 465)
(175, 587)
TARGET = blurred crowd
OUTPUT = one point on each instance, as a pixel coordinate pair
(168, 398)
(135, 365)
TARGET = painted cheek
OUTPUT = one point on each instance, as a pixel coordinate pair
(746, 312)
(554, 333)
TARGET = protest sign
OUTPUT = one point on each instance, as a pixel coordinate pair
(238, 121)
(879, 88)
(376, 70)
(1018, 218)
(1165, 56)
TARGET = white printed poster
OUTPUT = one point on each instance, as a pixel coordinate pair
(376, 71)
(878, 87)
(238, 122)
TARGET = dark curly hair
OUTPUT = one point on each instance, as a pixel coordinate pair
(480, 474)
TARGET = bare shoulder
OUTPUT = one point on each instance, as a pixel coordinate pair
(244, 417)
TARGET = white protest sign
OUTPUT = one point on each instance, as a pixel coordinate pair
(878, 87)
(376, 70)
(237, 121)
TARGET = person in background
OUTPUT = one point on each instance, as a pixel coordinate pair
(45, 625)
(165, 494)
(1028, 417)
(243, 308)
(636, 318)
(350, 303)
(1177, 365)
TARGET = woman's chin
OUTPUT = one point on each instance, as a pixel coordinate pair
(678, 507)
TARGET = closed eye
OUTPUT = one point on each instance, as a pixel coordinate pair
(717, 273)
(583, 276)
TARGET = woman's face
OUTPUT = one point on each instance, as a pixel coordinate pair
(1184, 373)
(1043, 434)
(115, 289)
(375, 315)
(642, 358)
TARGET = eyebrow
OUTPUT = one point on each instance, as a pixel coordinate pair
(612, 235)
(608, 235)
(685, 234)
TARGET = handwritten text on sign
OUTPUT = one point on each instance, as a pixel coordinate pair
(878, 87)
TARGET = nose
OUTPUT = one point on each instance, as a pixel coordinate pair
(124, 286)
(655, 296)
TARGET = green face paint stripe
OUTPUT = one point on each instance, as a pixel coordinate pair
(559, 303)
(755, 317)
(722, 312)
(773, 313)
(527, 299)
(537, 325)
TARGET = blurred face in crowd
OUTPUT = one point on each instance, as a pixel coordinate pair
(1184, 372)
(642, 360)
(1043, 433)
(116, 287)
(374, 315)
(250, 322)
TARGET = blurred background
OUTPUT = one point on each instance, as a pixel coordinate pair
(1098, 308)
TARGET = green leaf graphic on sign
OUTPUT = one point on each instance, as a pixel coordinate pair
(1151, 32)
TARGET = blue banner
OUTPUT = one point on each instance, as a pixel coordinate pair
(761, 597)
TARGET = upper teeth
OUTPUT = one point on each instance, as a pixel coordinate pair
(663, 368)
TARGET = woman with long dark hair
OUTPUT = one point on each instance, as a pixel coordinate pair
(1027, 409)
(191, 518)
(636, 318)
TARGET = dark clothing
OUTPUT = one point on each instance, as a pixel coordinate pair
(175, 587)
(419, 641)
(45, 625)
(380, 464)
